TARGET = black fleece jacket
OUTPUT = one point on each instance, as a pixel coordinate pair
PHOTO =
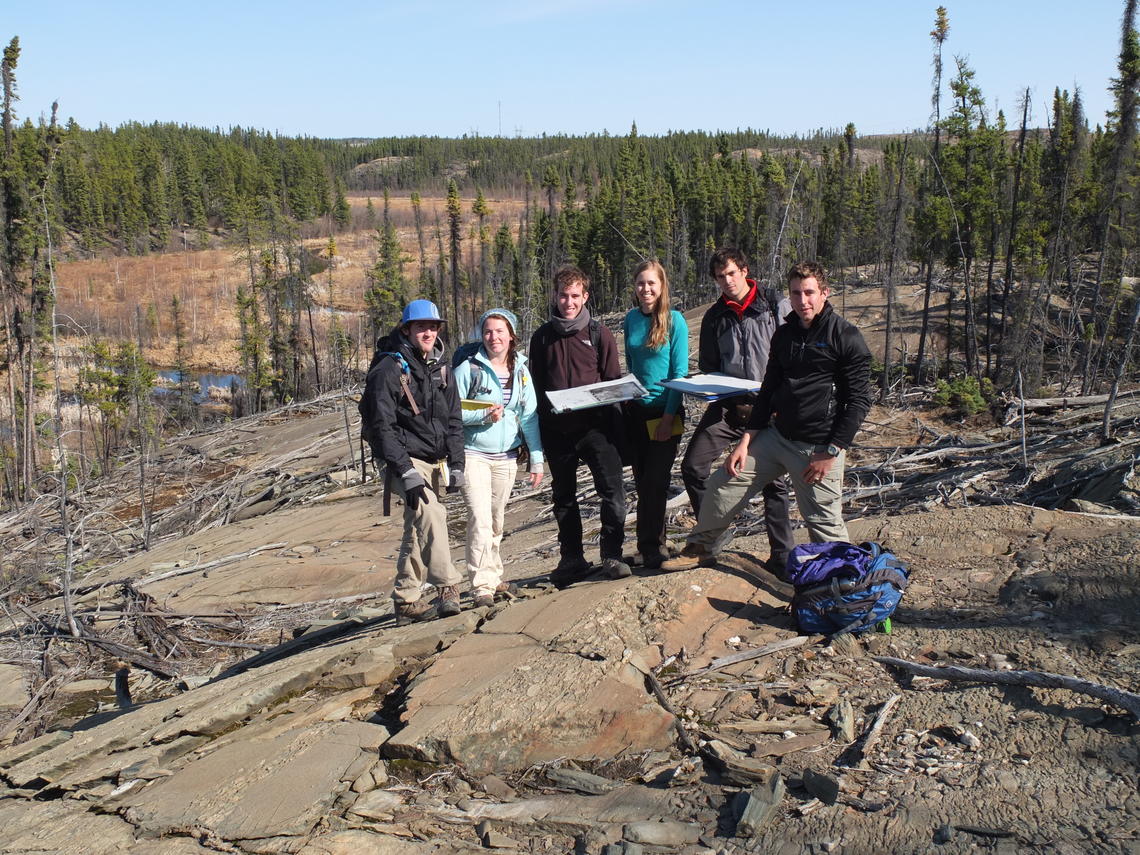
(818, 382)
(399, 434)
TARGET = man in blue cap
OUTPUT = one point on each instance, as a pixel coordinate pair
(410, 410)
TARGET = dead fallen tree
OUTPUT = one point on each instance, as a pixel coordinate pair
(1038, 679)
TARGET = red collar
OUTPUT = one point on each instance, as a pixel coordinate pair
(740, 307)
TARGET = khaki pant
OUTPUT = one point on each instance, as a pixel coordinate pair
(424, 553)
(770, 455)
(488, 486)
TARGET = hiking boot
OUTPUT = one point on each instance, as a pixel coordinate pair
(654, 562)
(691, 556)
(570, 571)
(421, 609)
(615, 568)
(506, 591)
(449, 600)
(484, 601)
(777, 565)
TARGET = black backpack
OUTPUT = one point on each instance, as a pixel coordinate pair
(385, 349)
(466, 353)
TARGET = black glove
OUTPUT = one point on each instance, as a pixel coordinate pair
(415, 496)
(415, 488)
(456, 481)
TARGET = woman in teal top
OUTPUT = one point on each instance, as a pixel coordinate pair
(656, 349)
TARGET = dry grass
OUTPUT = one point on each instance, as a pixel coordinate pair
(107, 297)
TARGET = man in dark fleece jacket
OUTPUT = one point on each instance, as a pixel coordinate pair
(563, 355)
(816, 393)
(412, 405)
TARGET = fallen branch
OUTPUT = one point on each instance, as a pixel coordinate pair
(682, 734)
(744, 656)
(1040, 679)
(31, 705)
(209, 565)
(876, 731)
(1065, 403)
(128, 654)
(241, 645)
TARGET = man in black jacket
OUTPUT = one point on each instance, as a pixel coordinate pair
(736, 332)
(816, 393)
(411, 409)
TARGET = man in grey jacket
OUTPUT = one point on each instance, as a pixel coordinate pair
(736, 333)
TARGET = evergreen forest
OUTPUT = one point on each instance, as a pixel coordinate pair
(1025, 230)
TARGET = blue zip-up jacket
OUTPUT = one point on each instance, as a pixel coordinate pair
(520, 416)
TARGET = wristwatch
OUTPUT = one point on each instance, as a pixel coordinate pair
(833, 450)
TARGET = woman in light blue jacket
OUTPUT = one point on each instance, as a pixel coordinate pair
(493, 434)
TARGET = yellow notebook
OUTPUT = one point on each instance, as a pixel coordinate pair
(468, 404)
(678, 426)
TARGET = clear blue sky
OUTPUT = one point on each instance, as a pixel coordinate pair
(402, 67)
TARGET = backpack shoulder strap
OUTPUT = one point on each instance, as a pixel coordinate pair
(405, 378)
(773, 297)
(476, 369)
(595, 329)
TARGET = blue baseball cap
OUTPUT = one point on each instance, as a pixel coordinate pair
(420, 310)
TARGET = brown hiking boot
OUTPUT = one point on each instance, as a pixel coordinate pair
(449, 600)
(484, 601)
(691, 556)
(421, 609)
(506, 591)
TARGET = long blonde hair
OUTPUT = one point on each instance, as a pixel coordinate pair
(661, 320)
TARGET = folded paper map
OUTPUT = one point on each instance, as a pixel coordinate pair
(625, 388)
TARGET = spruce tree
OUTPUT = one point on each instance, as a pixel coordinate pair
(455, 237)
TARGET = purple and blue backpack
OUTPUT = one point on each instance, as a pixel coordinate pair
(843, 587)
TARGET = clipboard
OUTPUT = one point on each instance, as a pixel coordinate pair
(712, 387)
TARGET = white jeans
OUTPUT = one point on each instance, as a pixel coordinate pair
(488, 486)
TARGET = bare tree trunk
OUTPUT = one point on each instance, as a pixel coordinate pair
(1121, 368)
(1014, 216)
(144, 437)
(924, 330)
(990, 263)
(14, 427)
(896, 221)
(61, 449)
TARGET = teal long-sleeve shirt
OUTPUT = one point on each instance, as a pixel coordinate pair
(650, 366)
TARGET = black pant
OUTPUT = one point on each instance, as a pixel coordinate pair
(599, 452)
(652, 473)
(712, 436)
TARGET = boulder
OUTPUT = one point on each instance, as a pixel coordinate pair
(562, 675)
(252, 789)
